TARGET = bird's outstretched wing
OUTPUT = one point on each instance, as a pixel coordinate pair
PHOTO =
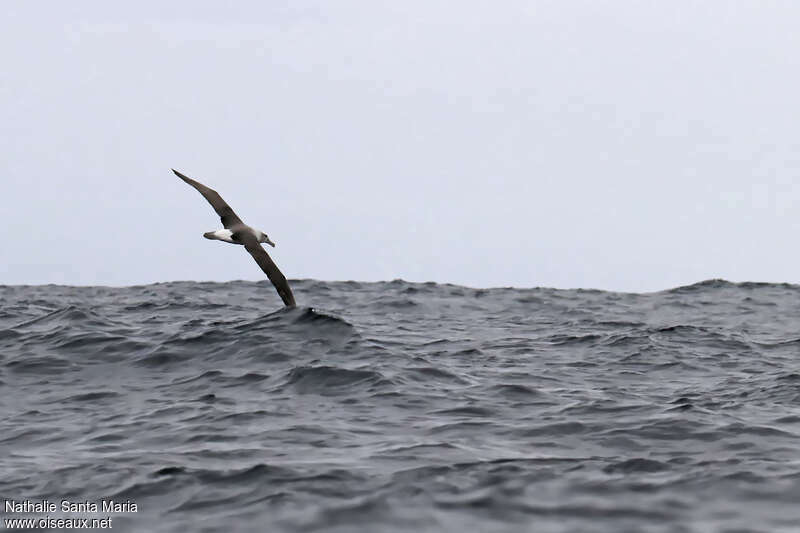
(226, 214)
(268, 266)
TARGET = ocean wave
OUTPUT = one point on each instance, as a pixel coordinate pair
(400, 405)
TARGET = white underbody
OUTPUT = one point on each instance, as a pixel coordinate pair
(226, 235)
(223, 235)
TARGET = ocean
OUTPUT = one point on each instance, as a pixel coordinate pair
(397, 406)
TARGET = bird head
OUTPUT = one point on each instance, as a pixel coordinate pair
(265, 238)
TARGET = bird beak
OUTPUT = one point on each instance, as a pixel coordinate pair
(270, 243)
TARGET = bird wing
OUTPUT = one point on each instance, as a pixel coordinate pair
(268, 266)
(226, 214)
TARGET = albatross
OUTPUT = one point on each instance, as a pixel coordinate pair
(237, 232)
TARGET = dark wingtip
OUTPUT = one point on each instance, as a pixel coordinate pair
(181, 176)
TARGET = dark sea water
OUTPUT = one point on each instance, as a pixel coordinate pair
(405, 407)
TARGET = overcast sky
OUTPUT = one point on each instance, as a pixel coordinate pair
(623, 145)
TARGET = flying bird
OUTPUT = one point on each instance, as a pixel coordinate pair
(237, 232)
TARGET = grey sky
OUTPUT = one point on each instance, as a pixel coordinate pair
(624, 145)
